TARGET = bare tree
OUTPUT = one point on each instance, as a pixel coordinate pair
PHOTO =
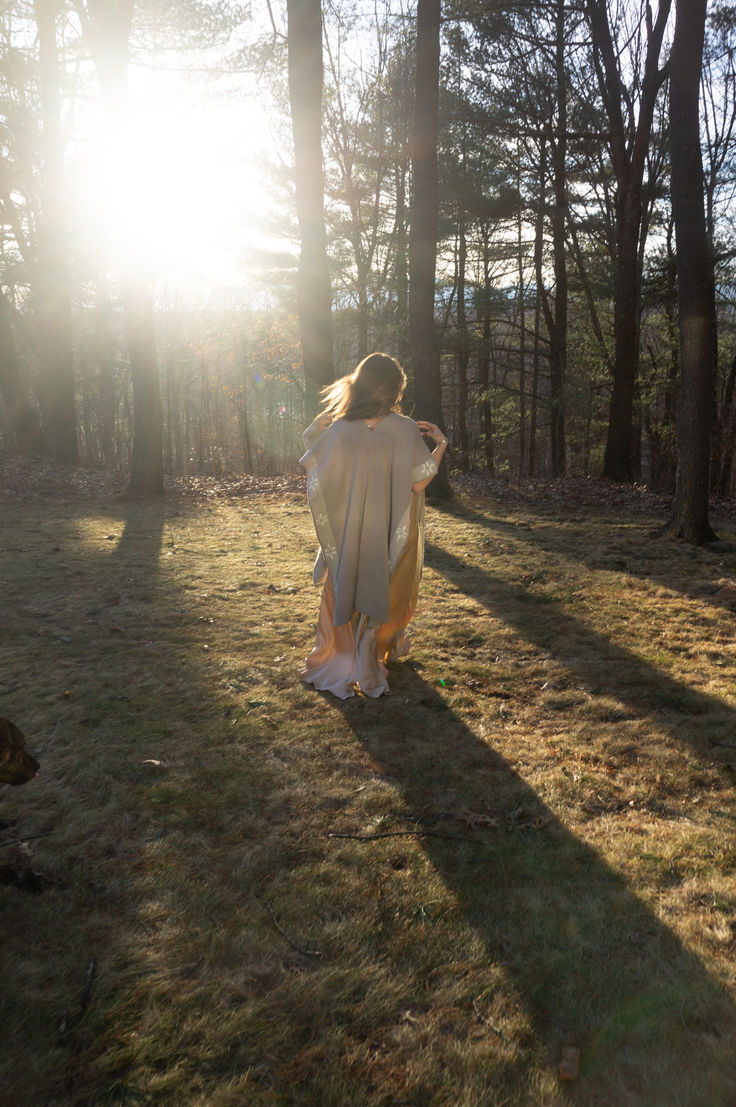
(425, 355)
(696, 297)
(314, 298)
(107, 26)
(53, 268)
(629, 81)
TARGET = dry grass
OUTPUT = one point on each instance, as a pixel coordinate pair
(559, 747)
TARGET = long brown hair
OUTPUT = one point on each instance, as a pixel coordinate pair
(372, 390)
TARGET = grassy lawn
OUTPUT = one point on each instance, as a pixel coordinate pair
(225, 888)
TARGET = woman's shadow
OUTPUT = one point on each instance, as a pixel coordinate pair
(588, 960)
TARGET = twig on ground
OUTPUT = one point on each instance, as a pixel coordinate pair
(492, 1026)
(84, 998)
(682, 1014)
(67, 1020)
(27, 838)
(409, 834)
(292, 943)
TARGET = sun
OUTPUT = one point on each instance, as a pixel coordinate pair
(179, 191)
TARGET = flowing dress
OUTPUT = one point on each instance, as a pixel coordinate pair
(370, 527)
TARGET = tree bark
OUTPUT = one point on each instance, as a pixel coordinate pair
(314, 298)
(53, 275)
(9, 380)
(147, 461)
(723, 456)
(522, 325)
(425, 354)
(539, 300)
(696, 290)
(108, 24)
(484, 358)
(629, 141)
(558, 328)
(401, 272)
(463, 338)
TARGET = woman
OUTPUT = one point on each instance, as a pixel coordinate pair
(367, 468)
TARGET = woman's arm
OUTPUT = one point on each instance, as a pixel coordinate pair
(433, 432)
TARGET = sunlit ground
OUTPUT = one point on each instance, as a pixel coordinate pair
(526, 849)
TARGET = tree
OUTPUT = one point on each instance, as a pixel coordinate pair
(53, 270)
(314, 298)
(696, 295)
(425, 355)
(719, 126)
(107, 24)
(557, 320)
(628, 144)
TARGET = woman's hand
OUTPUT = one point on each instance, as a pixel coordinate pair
(432, 431)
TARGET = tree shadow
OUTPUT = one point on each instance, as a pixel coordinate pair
(139, 547)
(600, 666)
(617, 559)
(121, 759)
(589, 960)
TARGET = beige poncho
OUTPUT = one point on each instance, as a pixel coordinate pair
(359, 489)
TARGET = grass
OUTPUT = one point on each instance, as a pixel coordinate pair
(539, 821)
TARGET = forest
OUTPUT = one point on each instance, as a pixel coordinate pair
(492, 192)
(511, 882)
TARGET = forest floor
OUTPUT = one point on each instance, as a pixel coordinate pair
(510, 882)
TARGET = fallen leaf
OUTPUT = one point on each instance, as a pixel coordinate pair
(471, 819)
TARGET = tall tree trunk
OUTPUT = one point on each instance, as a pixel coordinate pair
(463, 352)
(425, 354)
(629, 142)
(9, 379)
(401, 272)
(108, 24)
(558, 327)
(103, 346)
(314, 299)
(522, 324)
(722, 453)
(484, 358)
(539, 300)
(617, 463)
(147, 461)
(53, 276)
(696, 290)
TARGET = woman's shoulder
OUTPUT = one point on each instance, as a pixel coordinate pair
(403, 423)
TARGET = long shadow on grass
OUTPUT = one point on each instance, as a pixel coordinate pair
(617, 558)
(599, 665)
(586, 959)
(139, 546)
